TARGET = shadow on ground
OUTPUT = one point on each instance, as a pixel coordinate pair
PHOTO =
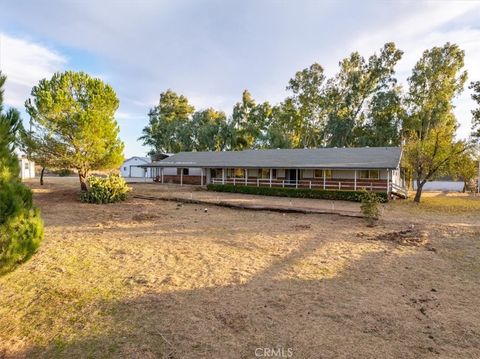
(353, 314)
(388, 303)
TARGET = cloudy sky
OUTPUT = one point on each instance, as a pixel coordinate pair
(211, 51)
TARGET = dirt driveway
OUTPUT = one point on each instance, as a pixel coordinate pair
(249, 201)
(157, 279)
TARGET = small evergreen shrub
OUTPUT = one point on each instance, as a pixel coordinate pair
(341, 195)
(370, 207)
(20, 236)
(105, 190)
(21, 228)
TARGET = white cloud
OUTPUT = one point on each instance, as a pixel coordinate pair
(127, 116)
(25, 63)
(432, 24)
(211, 51)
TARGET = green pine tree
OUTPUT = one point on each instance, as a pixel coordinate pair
(21, 228)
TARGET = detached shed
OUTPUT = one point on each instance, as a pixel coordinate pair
(27, 168)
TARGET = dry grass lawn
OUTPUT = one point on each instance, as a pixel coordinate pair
(155, 279)
(452, 203)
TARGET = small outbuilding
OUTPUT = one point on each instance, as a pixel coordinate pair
(27, 168)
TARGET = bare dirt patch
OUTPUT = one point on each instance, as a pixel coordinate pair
(153, 279)
(408, 237)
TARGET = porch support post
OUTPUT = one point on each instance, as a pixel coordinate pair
(388, 182)
(246, 176)
(270, 177)
(355, 181)
(181, 176)
(223, 175)
(201, 176)
(296, 182)
(161, 170)
(324, 179)
(208, 176)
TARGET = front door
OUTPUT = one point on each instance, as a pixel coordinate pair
(291, 177)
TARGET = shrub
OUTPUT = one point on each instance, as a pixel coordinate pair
(105, 190)
(370, 207)
(64, 172)
(21, 228)
(20, 237)
(355, 196)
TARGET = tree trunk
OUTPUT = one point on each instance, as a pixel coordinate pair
(83, 183)
(418, 195)
(41, 176)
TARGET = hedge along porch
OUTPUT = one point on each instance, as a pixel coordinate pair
(371, 168)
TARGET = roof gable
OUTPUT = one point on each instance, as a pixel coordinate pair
(139, 159)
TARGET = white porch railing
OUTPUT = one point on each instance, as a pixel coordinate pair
(328, 184)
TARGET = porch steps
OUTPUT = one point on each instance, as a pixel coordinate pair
(399, 191)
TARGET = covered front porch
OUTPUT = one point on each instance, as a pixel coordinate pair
(312, 178)
(378, 180)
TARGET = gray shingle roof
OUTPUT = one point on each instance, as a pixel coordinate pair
(354, 158)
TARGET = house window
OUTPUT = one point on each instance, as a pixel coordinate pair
(263, 173)
(185, 171)
(321, 173)
(239, 173)
(27, 165)
(216, 172)
(124, 168)
(370, 174)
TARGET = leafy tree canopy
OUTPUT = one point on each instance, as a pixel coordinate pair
(74, 124)
(169, 129)
(475, 86)
(430, 124)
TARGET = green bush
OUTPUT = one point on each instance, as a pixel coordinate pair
(370, 207)
(21, 228)
(20, 236)
(355, 196)
(105, 190)
(64, 172)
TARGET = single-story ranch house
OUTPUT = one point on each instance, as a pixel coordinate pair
(372, 168)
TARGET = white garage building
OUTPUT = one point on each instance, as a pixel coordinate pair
(130, 168)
